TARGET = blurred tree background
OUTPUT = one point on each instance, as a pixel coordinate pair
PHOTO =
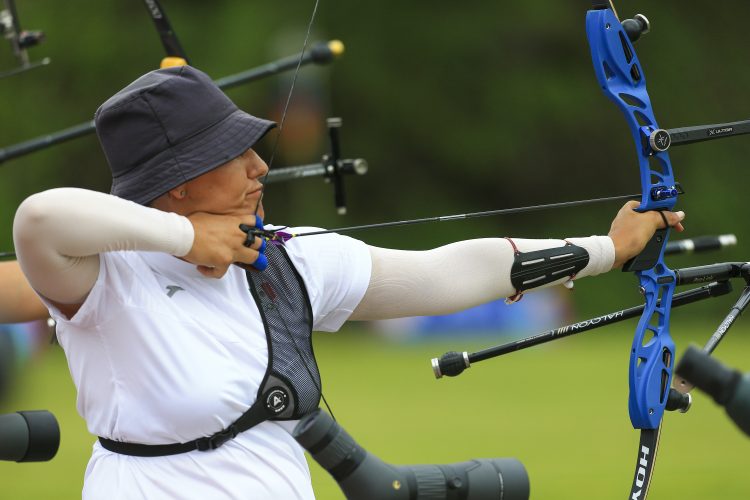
(457, 106)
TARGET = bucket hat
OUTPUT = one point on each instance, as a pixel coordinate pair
(168, 127)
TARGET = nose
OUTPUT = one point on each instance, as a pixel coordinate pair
(256, 167)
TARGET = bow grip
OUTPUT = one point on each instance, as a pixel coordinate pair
(651, 254)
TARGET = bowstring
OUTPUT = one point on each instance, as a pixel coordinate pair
(263, 188)
(286, 107)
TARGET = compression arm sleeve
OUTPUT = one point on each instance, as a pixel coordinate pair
(458, 276)
(58, 235)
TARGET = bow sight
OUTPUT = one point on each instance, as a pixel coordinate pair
(20, 40)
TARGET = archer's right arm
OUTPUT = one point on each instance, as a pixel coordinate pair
(59, 234)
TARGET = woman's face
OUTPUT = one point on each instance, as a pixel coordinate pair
(234, 188)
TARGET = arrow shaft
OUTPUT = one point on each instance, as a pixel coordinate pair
(472, 215)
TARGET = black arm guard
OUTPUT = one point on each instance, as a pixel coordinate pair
(534, 269)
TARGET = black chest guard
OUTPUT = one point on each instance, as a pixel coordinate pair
(291, 385)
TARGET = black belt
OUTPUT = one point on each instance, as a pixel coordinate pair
(253, 416)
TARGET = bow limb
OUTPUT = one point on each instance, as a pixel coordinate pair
(651, 359)
(175, 54)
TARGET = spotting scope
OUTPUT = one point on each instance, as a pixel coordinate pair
(29, 436)
(362, 475)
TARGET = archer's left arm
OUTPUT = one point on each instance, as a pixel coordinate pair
(468, 273)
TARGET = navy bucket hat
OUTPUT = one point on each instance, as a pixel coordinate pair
(168, 127)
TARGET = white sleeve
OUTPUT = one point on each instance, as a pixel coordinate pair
(336, 272)
(458, 276)
(59, 234)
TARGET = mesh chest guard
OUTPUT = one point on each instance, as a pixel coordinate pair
(291, 385)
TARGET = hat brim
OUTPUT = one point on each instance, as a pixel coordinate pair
(193, 157)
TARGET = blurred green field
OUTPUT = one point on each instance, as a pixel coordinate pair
(560, 408)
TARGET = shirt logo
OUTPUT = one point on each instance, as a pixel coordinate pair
(173, 289)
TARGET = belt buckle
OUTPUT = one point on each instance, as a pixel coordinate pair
(218, 439)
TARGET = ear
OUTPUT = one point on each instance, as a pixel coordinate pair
(179, 192)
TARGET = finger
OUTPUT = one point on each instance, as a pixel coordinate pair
(664, 219)
(246, 267)
(672, 218)
(668, 219)
(676, 217)
(251, 221)
(253, 242)
(259, 265)
(259, 245)
(248, 256)
(249, 239)
(261, 262)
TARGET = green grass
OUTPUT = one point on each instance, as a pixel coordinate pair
(560, 408)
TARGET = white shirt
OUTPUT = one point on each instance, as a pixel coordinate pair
(161, 354)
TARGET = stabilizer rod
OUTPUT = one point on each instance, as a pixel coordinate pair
(454, 363)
